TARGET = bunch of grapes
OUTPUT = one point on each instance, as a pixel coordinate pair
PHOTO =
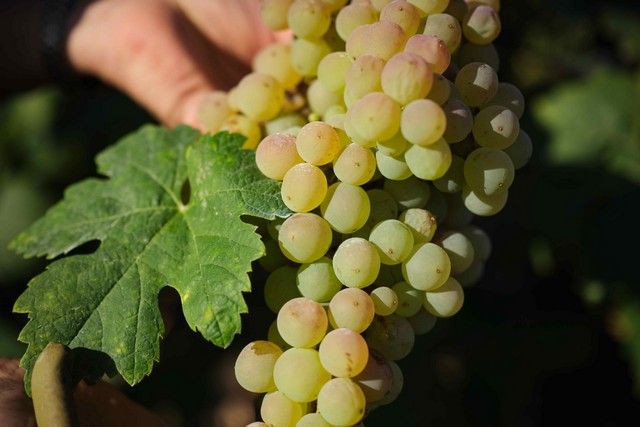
(389, 130)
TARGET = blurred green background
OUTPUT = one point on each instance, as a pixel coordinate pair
(551, 334)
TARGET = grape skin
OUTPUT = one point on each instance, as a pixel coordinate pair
(355, 165)
(302, 322)
(488, 171)
(496, 127)
(410, 193)
(280, 287)
(276, 154)
(356, 263)
(274, 13)
(353, 16)
(459, 249)
(406, 77)
(477, 83)
(422, 224)
(391, 336)
(278, 410)
(346, 207)
(351, 308)
(427, 268)
(385, 300)
(382, 39)
(445, 301)
(318, 143)
(343, 353)
(317, 281)
(430, 162)
(376, 379)
(341, 402)
(418, 130)
(313, 420)
(304, 238)
(303, 187)
(446, 28)
(254, 366)
(309, 19)
(299, 374)
(403, 14)
(394, 241)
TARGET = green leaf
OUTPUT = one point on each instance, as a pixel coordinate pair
(107, 301)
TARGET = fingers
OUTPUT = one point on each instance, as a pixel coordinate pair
(15, 406)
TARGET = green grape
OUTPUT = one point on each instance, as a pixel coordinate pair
(304, 238)
(433, 50)
(459, 121)
(440, 90)
(278, 410)
(430, 162)
(299, 374)
(254, 366)
(376, 378)
(346, 207)
(393, 168)
(363, 77)
(422, 322)
(259, 96)
(429, 7)
(214, 110)
(521, 150)
(427, 268)
(309, 19)
(259, 424)
(403, 14)
(307, 54)
(335, 5)
(334, 116)
(355, 165)
(351, 308)
(480, 240)
(332, 70)
(382, 39)
(409, 299)
(457, 214)
(273, 258)
(477, 83)
(397, 383)
(406, 77)
(276, 154)
(374, 117)
(302, 322)
(313, 420)
(249, 128)
(341, 402)
(459, 249)
(422, 224)
(446, 28)
(284, 122)
(274, 13)
(344, 353)
(385, 300)
(393, 147)
(320, 99)
(275, 60)
(317, 281)
(471, 275)
(483, 205)
(353, 16)
(391, 336)
(378, 5)
(481, 25)
(394, 241)
(356, 263)
(488, 171)
(496, 127)
(453, 180)
(410, 193)
(508, 96)
(280, 287)
(445, 301)
(486, 54)
(423, 122)
(303, 187)
(293, 130)
(274, 336)
(383, 206)
(437, 205)
(318, 143)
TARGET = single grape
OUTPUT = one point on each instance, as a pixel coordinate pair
(276, 154)
(307, 54)
(343, 353)
(409, 299)
(318, 143)
(402, 13)
(299, 374)
(304, 238)
(496, 127)
(453, 180)
(374, 117)
(313, 420)
(302, 322)
(332, 70)
(406, 77)
(284, 122)
(249, 128)
(428, 7)
(480, 240)
(259, 96)
(394, 147)
(440, 90)
(397, 383)
(477, 83)
(423, 122)
(410, 193)
(278, 410)
(317, 281)
(488, 171)
(459, 249)
(309, 19)
(430, 162)
(385, 300)
(483, 205)
(446, 28)
(421, 222)
(346, 207)
(351, 308)
(341, 402)
(459, 120)
(275, 61)
(383, 206)
(508, 96)
(382, 39)
(422, 322)
(471, 275)
(486, 54)
(274, 13)
(430, 48)
(303, 187)
(521, 150)
(376, 379)
(356, 263)
(353, 16)
(214, 110)
(355, 165)
(391, 336)
(393, 168)
(481, 25)
(394, 241)
(445, 301)
(363, 77)
(427, 268)
(280, 287)
(254, 366)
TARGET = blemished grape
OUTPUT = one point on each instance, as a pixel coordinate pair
(299, 374)
(254, 366)
(284, 122)
(486, 54)
(496, 127)
(508, 96)
(376, 379)
(309, 19)
(488, 171)
(471, 275)
(394, 241)
(385, 300)
(393, 147)
(249, 128)
(313, 420)
(214, 110)
(440, 90)
(423, 122)
(259, 96)
(332, 70)
(274, 13)
(382, 39)
(521, 150)
(343, 353)
(391, 336)
(477, 83)
(303, 187)
(346, 207)
(430, 162)
(341, 402)
(307, 54)
(320, 99)
(430, 48)
(453, 180)
(317, 281)
(480, 240)
(280, 287)
(318, 143)
(302, 322)
(446, 28)
(278, 410)
(483, 205)
(459, 249)
(406, 77)
(410, 193)
(428, 7)
(427, 268)
(363, 77)
(374, 117)
(356, 263)
(393, 168)
(383, 206)
(445, 301)
(459, 121)
(276, 154)
(481, 25)
(351, 308)
(275, 61)
(402, 13)
(422, 322)
(355, 165)
(422, 224)
(409, 299)
(353, 16)
(304, 238)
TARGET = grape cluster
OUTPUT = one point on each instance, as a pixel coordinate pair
(389, 130)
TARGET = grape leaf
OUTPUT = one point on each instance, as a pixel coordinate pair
(106, 301)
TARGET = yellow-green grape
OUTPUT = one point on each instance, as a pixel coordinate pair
(394, 241)
(508, 96)
(309, 19)
(393, 147)
(278, 410)
(477, 83)
(317, 281)
(433, 50)
(284, 122)
(273, 258)
(471, 275)
(213, 111)
(274, 336)
(383, 206)
(486, 54)
(332, 70)
(437, 205)
(453, 180)
(483, 205)
(480, 240)
(393, 168)
(378, 5)
(440, 89)
(274, 13)
(353, 16)
(457, 213)
(409, 299)
(397, 383)
(521, 150)
(445, 301)
(427, 268)
(459, 121)
(259, 96)
(239, 123)
(318, 143)
(334, 116)
(355, 165)
(335, 5)
(275, 61)
(346, 207)
(351, 308)
(496, 127)
(320, 99)
(313, 420)
(410, 193)
(429, 7)
(402, 13)
(302, 322)
(276, 154)
(430, 162)
(382, 39)
(254, 366)
(344, 353)
(385, 300)
(481, 25)
(422, 322)
(495, 4)
(459, 249)
(299, 374)
(374, 117)
(406, 77)
(446, 28)
(259, 424)
(303, 187)
(422, 224)
(341, 402)
(304, 238)
(356, 263)
(423, 122)
(376, 378)
(391, 336)
(280, 287)
(362, 78)
(307, 54)
(488, 171)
